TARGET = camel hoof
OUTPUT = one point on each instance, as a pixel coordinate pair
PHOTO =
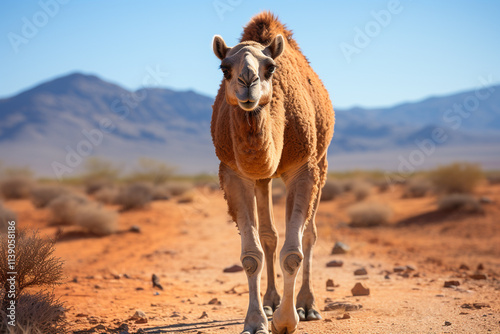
(302, 314)
(268, 310)
(283, 331)
(313, 315)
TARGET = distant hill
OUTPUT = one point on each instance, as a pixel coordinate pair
(60, 122)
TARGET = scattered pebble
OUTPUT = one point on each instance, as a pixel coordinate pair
(342, 306)
(360, 290)
(410, 268)
(214, 301)
(477, 306)
(340, 248)
(464, 267)
(135, 229)
(335, 263)
(485, 200)
(360, 271)
(480, 266)
(156, 282)
(478, 276)
(399, 269)
(203, 315)
(345, 316)
(449, 284)
(233, 269)
(447, 323)
(330, 285)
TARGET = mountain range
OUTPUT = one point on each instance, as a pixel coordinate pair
(55, 126)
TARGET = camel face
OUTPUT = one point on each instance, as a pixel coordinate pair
(248, 69)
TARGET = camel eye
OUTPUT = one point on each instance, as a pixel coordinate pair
(271, 69)
(226, 71)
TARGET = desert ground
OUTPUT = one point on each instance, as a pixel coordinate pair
(188, 245)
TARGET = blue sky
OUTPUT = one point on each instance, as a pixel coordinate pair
(423, 48)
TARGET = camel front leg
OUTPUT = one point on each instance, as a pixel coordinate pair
(269, 240)
(240, 198)
(301, 189)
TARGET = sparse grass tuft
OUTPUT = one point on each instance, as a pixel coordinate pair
(460, 202)
(417, 187)
(107, 195)
(16, 186)
(361, 189)
(456, 178)
(135, 196)
(331, 190)
(42, 195)
(368, 214)
(64, 207)
(96, 219)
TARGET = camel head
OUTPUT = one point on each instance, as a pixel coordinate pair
(248, 69)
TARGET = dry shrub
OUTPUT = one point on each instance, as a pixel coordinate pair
(161, 193)
(151, 170)
(41, 196)
(6, 215)
(460, 202)
(417, 187)
(368, 214)
(361, 189)
(96, 219)
(136, 195)
(178, 188)
(107, 195)
(38, 313)
(456, 178)
(63, 208)
(331, 190)
(16, 186)
(99, 173)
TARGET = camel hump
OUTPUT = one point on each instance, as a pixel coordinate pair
(264, 27)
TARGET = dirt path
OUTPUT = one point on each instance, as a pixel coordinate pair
(189, 245)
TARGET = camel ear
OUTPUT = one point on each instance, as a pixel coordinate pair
(276, 47)
(220, 47)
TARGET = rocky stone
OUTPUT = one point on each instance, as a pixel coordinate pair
(478, 276)
(346, 306)
(399, 269)
(233, 269)
(485, 200)
(449, 284)
(345, 316)
(410, 268)
(447, 323)
(477, 306)
(214, 301)
(138, 314)
(340, 248)
(330, 285)
(335, 263)
(135, 229)
(480, 266)
(360, 290)
(464, 267)
(156, 282)
(203, 315)
(360, 271)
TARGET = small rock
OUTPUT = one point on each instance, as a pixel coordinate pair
(342, 306)
(75, 279)
(142, 321)
(100, 327)
(135, 229)
(477, 306)
(399, 269)
(138, 314)
(203, 315)
(214, 301)
(233, 269)
(156, 282)
(464, 267)
(387, 277)
(97, 286)
(447, 323)
(126, 276)
(82, 315)
(480, 266)
(140, 288)
(345, 316)
(360, 290)
(360, 271)
(449, 284)
(410, 268)
(340, 248)
(485, 200)
(335, 263)
(478, 276)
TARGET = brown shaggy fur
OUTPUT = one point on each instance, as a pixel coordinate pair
(295, 128)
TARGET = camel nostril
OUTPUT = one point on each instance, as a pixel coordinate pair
(255, 81)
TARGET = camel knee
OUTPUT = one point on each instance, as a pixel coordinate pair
(291, 262)
(251, 264)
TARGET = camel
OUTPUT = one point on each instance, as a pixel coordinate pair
(272, 117)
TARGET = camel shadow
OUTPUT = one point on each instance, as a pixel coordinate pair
(189, 327)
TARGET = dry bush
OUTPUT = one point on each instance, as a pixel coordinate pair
(35, 264)
(179, 188)
(187, 197)
(331, 190)
(134, 196)
(99, 173)
(460, 202)
(16, 186)
(361, 189)
(154, 171)
(6, 215)
(417, 187)
(368, 214)
(96, 219)
(63, 208)
(456, 178)
(38, 313)
(160, 193)
(42, 195)
(107, 195)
